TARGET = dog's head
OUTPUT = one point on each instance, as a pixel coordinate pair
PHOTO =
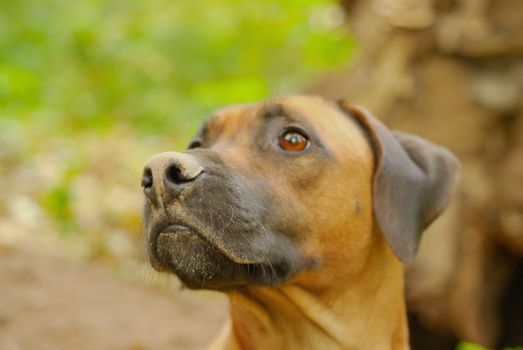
(268, 190)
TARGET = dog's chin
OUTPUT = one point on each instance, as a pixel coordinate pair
(200, 265)
(182, 251)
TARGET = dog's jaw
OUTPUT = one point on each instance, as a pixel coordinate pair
(340, 316)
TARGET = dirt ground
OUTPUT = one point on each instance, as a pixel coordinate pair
(48, 302)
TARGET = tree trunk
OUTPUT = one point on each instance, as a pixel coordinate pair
(452, 72)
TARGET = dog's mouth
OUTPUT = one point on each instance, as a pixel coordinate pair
(177, 230)
(157, 236)
(170, 230)
(200, 263)
(180, 249)
(163, 244)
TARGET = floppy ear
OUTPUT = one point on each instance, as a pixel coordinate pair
(413, 182)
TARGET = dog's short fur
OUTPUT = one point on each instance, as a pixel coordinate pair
(305, 243)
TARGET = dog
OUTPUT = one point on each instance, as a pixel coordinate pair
(301, 210)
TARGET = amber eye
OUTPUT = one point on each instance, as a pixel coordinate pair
(293, 141)
(195, 144)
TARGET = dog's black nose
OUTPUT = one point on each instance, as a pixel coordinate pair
(147, 178)
(167, 174)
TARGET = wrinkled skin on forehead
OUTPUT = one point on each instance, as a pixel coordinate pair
(265, 216)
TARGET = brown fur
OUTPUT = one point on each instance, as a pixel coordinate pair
(346, 290)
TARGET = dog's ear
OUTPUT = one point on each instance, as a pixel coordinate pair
(413, 182)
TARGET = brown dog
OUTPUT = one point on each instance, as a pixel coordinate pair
(298, 209)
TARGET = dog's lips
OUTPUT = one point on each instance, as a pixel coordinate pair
(202, 234)
(169, 229)
(182, 249)
(161, 233)
(175, 228)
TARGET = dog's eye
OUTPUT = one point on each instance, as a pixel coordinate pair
(195, 144)
(293, 141)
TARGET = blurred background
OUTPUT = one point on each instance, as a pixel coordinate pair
(90, 89)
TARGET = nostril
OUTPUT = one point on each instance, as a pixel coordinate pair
(174, 174)
(147, 178)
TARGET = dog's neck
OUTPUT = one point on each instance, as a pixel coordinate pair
(363, 311)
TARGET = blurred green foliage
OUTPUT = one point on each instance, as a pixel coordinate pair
(470, 346)
(157, 66)
(90, 89)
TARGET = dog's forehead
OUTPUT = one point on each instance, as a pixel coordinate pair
(227, 121)
(315, 111)
(337, 130)
(318, 111)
